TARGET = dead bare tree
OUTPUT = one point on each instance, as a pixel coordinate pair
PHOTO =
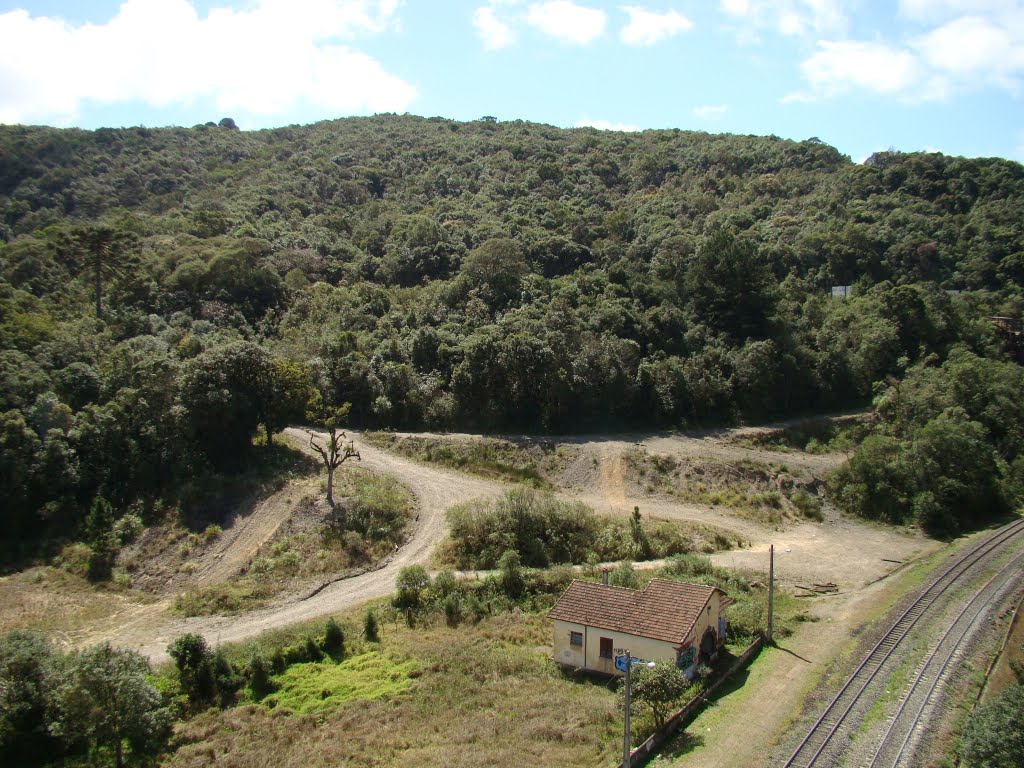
(334, 453)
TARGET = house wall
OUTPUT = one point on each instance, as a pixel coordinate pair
(588, 656)
(708, 618)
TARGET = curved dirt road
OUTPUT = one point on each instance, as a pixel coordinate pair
(149, 629)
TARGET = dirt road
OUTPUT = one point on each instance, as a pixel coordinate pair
(150, 629)
(847, 552)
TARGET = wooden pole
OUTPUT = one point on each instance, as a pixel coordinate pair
(771, 591)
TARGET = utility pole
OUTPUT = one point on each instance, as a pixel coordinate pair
(626, 737)
(771, 591)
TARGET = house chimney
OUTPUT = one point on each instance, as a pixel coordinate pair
(604, 576)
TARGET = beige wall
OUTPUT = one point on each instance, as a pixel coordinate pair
(588, 656)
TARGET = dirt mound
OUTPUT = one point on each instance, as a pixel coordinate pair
(168, 558)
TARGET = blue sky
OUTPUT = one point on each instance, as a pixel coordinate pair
(862, 75)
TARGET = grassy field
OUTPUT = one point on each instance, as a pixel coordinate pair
(483, 694)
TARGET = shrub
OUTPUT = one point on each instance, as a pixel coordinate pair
(658, 689)
(128, 527)
(313, 652)
(444, 584)
(334, 640)
(623, 575)
(411, 582)
(452, 606)
(994, 737)
(545, 530)
(807, 505)
(512, 581)
(261, 567)
(258, 672)
(100, 566)
(474, 608)
(370, 631)
(688, 565)
(226, 679)
(194, 661)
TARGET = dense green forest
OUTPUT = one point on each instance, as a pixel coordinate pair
(168, 295)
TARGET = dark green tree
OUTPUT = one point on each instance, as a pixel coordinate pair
(292, 393)
(334, 640)
(370, 630)
(106, 252)
(99, 532)
(729, 288)
(259, 674)
(226, 393)
(19, 453)
(194, 660)
(104, 700)
(496, 269)
(27, 668)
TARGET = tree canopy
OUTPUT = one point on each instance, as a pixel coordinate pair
(478, 276)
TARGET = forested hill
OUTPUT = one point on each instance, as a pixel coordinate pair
(485, 275)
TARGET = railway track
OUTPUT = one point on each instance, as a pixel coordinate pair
(814, 749)
(933, 670)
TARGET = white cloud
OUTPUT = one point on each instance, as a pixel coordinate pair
(736, 7)
(605, 125)
(650, 27)
(565, 20)
(840, 66)
(493, 32)
(787, 17)
(710, 111)
(973, 47)
(936, 10)
(963, 54)
(264, 60)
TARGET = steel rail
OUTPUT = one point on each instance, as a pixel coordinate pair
(891, 640)
(1004, 575)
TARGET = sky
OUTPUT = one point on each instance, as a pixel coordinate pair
(861, 75)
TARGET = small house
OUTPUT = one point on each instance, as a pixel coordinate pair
(666, 620)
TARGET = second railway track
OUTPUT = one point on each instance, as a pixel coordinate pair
(820, 747)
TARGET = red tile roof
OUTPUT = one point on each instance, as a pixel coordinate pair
(663, 610)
